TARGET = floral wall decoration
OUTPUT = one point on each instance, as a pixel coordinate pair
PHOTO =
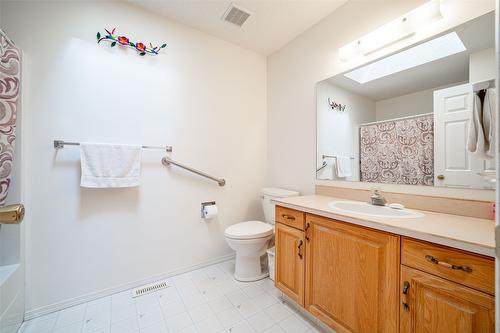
(113, 38)
(336, 106)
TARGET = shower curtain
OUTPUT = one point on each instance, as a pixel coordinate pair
(10, 76)
(398, 151)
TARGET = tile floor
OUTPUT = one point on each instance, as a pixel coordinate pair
(207, 300)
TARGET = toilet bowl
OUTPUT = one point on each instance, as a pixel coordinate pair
(250, 239)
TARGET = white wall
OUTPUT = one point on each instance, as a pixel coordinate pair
(406, 105)
(338, 132)
(203, 96)
(412, 104)
(294, 71)
(482, 65)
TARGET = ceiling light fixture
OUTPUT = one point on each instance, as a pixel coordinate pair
(392, 32)
(431, 50)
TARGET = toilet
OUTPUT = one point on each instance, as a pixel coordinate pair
(250, 239)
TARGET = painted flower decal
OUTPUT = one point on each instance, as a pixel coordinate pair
(140, 47)
(123, 40)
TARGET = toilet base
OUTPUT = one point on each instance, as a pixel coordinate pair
(249, 268)
(257, 278)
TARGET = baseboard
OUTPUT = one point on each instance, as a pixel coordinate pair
(110, 291)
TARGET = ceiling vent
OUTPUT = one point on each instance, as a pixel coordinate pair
(235, 15)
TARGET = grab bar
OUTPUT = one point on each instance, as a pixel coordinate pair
(322, 166)
(167, 161)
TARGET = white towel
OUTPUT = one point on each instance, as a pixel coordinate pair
(343, 166)
(107, 165)
(481, 136)
(489, 121)
(475, 141)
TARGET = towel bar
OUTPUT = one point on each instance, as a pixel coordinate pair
(58, 144)
(335, 157)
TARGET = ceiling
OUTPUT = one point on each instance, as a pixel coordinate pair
(477, 34)
(271, 25)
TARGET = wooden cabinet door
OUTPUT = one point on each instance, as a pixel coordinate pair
(289, 274)
(352, 276)
(433, 305)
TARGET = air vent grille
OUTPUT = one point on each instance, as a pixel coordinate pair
(149, 288)
(235, 15)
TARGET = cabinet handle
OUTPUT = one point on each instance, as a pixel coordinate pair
(406, 286)
(447, 265)
(288, 217)
(306, 229)
(299, 248)
(440, 177)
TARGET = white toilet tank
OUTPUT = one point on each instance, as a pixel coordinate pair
(270, 193)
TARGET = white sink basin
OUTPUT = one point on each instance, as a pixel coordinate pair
(362, 208)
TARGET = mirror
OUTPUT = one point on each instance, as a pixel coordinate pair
(423, 116)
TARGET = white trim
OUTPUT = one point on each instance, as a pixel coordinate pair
(113, 290)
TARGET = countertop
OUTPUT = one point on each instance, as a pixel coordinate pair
(461, 232)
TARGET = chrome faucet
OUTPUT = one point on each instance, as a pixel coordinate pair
(376, 198)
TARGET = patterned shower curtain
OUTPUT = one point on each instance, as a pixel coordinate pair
(398, 151)
(10, 75)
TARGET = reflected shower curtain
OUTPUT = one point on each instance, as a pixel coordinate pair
(10, 75)
(398, 151)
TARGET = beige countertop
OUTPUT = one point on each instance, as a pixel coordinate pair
(466, 233)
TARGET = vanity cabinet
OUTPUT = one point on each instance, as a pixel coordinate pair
(289, 270)
(445, 290)
(352, 276)
(358, 279)
(433, 304)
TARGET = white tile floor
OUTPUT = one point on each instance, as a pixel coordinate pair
(207, 300)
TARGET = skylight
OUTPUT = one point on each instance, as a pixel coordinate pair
(432, 50)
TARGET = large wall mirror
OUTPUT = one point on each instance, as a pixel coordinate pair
(423, 116)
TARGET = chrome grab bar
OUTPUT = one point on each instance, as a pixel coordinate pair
(322, 166)
(167, 161)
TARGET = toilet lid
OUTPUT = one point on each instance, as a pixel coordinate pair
(249, 230)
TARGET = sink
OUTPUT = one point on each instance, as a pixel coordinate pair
(363, 208)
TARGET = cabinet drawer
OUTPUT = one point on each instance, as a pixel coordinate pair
(474, 271)
(291, 217)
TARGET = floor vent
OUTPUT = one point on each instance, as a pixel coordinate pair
(235, 15)
(149, 288)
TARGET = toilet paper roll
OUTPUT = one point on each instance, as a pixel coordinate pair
(210, 212)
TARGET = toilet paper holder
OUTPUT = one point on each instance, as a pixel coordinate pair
(203, 205)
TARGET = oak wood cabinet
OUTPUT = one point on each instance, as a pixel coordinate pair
(358, 279)
(433, 304)
(289, 270)
(352, 276)
(445, 290)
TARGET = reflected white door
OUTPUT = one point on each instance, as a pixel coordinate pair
(453, 164)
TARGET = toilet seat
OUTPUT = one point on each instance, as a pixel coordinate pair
(249, 230)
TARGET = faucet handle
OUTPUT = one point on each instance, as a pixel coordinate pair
(377, 198)
(375, 191)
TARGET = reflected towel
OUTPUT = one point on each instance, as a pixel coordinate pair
(481, 136)
(343, 166)
(107, 165)
(489, 121)
(475, 140)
